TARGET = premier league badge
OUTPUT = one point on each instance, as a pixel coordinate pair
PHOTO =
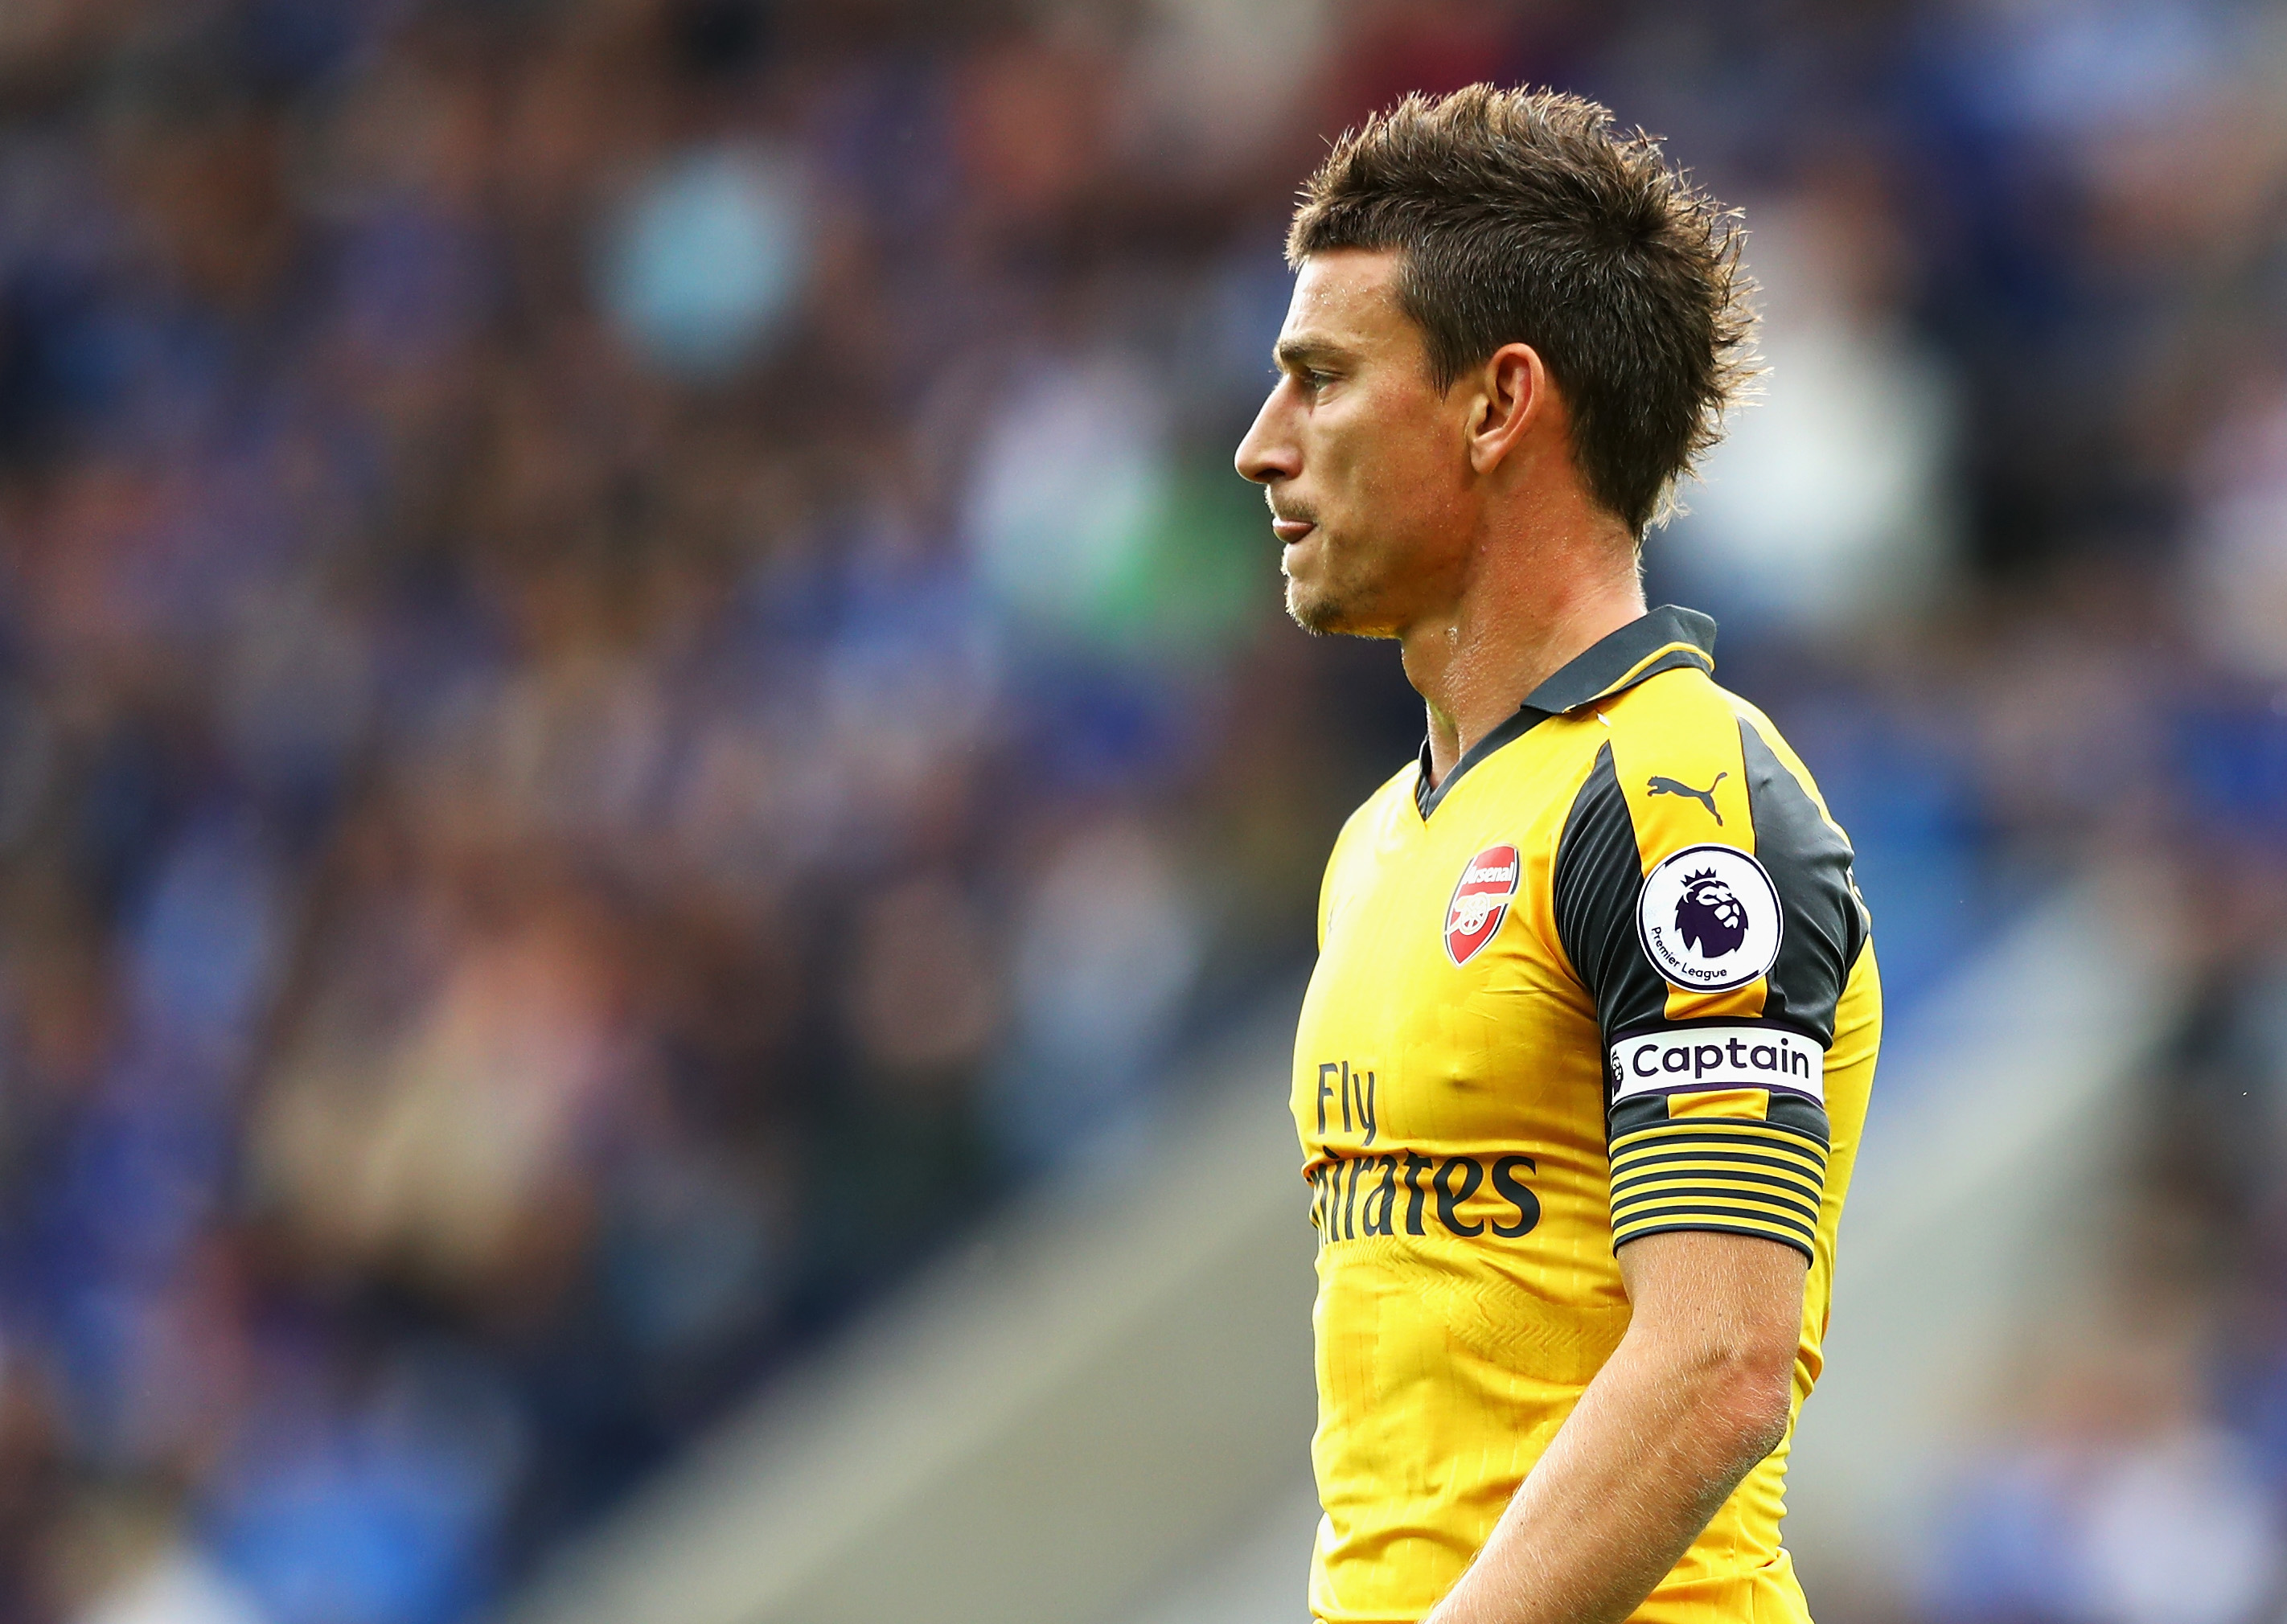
(1708, 918)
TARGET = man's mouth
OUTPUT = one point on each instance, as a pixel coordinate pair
(1290, 530)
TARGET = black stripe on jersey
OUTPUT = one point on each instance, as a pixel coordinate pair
(1805, 1116)
(1718, 1173)
(1680, 1215)
(1640, 1167)
(1754, 1195)
(1786, 1186)
(1638, 1112)
(1717, 1164)
(1712, 1200)
(1597, 875)
(1744, 1145)
(1633, 1114)
(1794, 1112)
(1809, 862)
(1726, 1131)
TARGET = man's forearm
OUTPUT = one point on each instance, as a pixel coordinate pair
(1657, 1443)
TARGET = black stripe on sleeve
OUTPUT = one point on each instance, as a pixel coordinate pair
(1809, 862)
(1597, 875)
(1806, 1117)
(1702, 1224)
(1749, 1178)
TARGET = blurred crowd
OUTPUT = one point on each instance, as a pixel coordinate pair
(632, 678)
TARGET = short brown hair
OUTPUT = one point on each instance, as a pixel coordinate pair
(1522, 216)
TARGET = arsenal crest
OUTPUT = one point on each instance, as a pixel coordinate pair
(1481, 901)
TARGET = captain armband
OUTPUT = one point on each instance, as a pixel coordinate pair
(1719, 1127)
(1739, 1055)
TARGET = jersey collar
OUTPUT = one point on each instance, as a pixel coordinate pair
(1661, 640)
(1651, 643)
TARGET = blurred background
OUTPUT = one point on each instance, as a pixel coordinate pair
(651, 786)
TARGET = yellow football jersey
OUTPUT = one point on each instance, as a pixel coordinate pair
(1612, 977)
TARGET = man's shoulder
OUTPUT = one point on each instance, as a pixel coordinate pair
(1393, 795)
(1686, 715)
(1389, 799)
(1682, 703)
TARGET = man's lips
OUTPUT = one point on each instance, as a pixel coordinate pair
(1290, 530)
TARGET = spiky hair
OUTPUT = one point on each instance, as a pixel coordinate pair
(1523, 216)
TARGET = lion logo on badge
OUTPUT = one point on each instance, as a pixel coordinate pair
(1710, 916)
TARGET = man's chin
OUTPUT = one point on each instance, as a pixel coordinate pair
(1315, 611)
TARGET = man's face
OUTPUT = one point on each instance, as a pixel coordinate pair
(1363, 462)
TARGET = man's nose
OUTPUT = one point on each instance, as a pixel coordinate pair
(1268, 453)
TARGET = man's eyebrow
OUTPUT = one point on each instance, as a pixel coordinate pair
(1298, 354)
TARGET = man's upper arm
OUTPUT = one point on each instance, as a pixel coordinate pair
(1703, 1293)
(1706, 904)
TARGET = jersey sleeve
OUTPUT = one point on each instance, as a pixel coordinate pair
(1706, 904)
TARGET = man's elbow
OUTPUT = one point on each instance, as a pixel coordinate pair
(1751, 1390)
(1762, 1422)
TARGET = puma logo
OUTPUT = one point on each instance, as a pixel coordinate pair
(1705, 798)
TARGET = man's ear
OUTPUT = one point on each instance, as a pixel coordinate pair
(1513, 393)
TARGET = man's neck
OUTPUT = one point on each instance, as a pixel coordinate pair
(1516, 625)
